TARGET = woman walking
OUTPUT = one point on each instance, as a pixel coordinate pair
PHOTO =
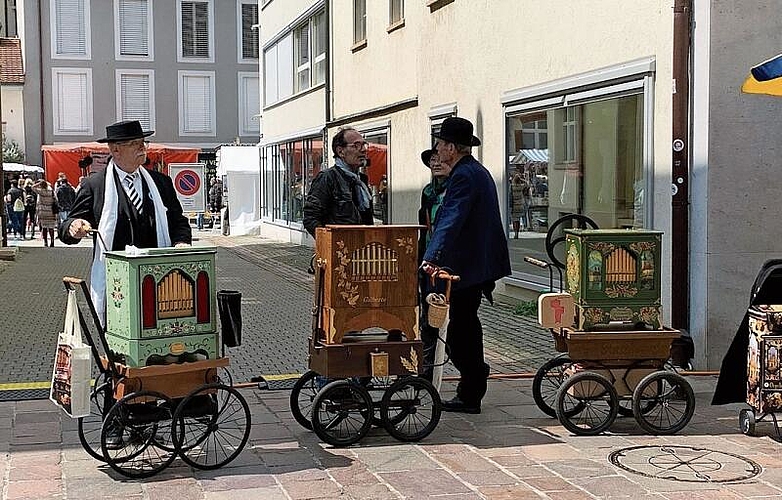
(30, 203)
(47, 211)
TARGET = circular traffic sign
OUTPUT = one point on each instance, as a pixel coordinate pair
(187, 182)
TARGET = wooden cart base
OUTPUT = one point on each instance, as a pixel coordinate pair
(367, 359)
(619, 348)
(175, 380)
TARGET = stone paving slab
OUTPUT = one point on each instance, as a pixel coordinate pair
(486, 456)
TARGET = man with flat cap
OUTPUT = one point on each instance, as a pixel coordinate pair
(468, 239)
(127, 204)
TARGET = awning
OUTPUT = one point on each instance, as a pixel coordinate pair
(18, 167)
(530, 155)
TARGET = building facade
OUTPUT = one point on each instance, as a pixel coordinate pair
(186, 69)
(575, 99)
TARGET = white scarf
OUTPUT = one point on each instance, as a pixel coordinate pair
(107, 225)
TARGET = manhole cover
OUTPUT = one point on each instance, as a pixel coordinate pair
(685, 463)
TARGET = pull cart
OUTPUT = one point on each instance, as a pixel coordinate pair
(143, 417)
(614, 359)
(365, 352)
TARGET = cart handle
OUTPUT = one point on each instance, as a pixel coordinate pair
(449, 279)
(72, 280)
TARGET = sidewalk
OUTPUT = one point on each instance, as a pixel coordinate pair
(508, 452)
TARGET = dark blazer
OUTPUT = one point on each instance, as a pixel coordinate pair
(468, 235)
(129, 230)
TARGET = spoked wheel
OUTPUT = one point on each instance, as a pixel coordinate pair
(673, 403)
(747, 422)
(582, 221)
(302, 396)
(223, 376)
(587, 404)
(342, 413)
(211, 426)
(626, 405)
(546, 383)
(101, 399)
(135, 438)
(410, 409)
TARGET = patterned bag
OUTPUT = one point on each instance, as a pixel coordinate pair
(72, 366)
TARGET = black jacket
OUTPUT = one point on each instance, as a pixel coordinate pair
(131, 229)
(331, 200)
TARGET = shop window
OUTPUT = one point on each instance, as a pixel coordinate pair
(377, 174)
(289, 168)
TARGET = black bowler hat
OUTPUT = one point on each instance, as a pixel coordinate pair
(125, 131)
(458, 131)
(426, 155)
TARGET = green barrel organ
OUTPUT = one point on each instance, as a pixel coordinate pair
(160, 305)
(614, 276)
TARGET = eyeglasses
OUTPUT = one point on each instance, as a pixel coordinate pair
(357, 145)
(135, 143)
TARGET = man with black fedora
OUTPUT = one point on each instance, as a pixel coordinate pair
(469, 240)
(127, 204)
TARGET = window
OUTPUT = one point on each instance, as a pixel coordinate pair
(359, 21)
(377, 153)
(319, 43)
(135, 97)
(301, 48)
(70, 29)
(195, 38)
(396, 11)
(248, 34)
(72, 101)
(197, 103)
(288, 170)
(278, 70)
(133, 29)
(249, 104)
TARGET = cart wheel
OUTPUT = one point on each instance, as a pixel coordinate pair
(342, 413)
(302, 396)
(546, 383)
(211, 426)
(747, 422)
(587, 404)
(224, 376)
(626, 404)
(672, 403)
(410, 409)
(142, 423)
(101, 399)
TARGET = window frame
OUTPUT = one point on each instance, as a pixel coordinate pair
(87, 33)
(56, 97)
(150, 36)
(315, 59)
(297, 68)
(118, 85)
(359, 42)
(211, 26)
(243, 112)
(396, 23)
(239, 47)
(181, 75)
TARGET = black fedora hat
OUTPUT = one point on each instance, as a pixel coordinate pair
(458, 131)
(426, 155)
(125, 131)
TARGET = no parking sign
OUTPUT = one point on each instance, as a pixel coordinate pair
(189, 185)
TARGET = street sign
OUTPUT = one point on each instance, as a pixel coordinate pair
(189, 185)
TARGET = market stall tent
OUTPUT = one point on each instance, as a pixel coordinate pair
(65, 157)
(241, 167)
(19, 167)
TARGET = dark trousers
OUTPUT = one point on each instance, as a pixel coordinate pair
(465, 342)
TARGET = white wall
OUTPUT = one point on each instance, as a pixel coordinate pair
(13, 113)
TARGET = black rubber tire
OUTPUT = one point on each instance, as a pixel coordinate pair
(132, 413)
(545, 385)
(339, 402)
(583, 221)
(410, 409)
(594, 396)
(302, 396)
(90, 426)
(747, 422)
(211, 418)
(666, 416)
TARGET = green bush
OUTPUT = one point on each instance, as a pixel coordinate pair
(527, 308)
(12, 152)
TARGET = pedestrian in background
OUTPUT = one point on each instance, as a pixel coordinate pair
(469, 239)
(14, 199)
(431, 200)
(340, 194)
(30, 204)
(65, 196)
(47, 212)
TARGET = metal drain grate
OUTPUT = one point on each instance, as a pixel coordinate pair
(685, 464)
(24, 394)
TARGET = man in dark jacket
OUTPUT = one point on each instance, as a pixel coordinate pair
(340, 195)
(469, 239)
(65, 195)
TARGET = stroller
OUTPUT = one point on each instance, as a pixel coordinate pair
(750, 371)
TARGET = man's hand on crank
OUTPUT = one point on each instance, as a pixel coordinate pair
(429, 268)
(79, 228)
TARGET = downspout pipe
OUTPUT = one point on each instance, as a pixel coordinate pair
(680, 204)
(327, 87)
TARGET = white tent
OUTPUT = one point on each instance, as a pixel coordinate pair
(18, 167)
(241, 167)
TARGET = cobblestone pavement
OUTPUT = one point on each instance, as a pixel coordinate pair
(508, 452)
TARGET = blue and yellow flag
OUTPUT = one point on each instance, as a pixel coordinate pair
(765, 78)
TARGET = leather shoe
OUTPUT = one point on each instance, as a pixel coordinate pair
(459, 406)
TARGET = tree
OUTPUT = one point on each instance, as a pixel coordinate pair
(12, 152)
